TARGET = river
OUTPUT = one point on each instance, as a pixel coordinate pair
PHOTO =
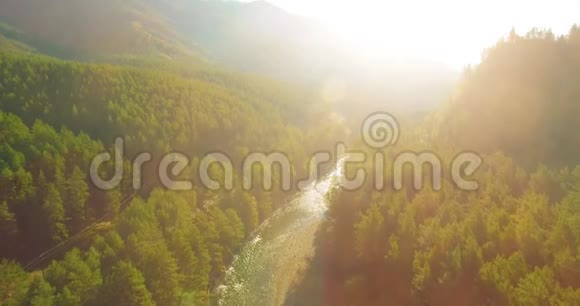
(267, 266)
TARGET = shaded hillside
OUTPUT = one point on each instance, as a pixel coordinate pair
(11, 45)
(522, 99)
(238, 34)
(255, 37)
(89, 28)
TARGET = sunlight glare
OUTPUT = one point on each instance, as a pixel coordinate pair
(454, 32)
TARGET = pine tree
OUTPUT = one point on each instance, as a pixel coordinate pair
(77, 197)
(125, 286)
(14, 283)
(249, 212)
(52, 206)
(76, 278)
(41, 293)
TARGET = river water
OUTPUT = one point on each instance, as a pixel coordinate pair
(265, 269)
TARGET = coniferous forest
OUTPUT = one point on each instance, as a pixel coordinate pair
(164, 82)
(153, 247)
(516, 240)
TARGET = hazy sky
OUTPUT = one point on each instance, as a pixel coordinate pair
(452, 31)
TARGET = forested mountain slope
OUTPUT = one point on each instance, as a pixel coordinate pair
(256, 37)
(514, 241)
(252, 37)
(7, 44)
(522, 99)
(153, 246)
(92, 28)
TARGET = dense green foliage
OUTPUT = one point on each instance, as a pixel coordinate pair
(514, 241)
(44, 194)
(154, 109)
(162, 247)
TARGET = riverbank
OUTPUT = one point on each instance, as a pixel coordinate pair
(292, 266)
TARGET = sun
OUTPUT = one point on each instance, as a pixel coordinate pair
(397, 29)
